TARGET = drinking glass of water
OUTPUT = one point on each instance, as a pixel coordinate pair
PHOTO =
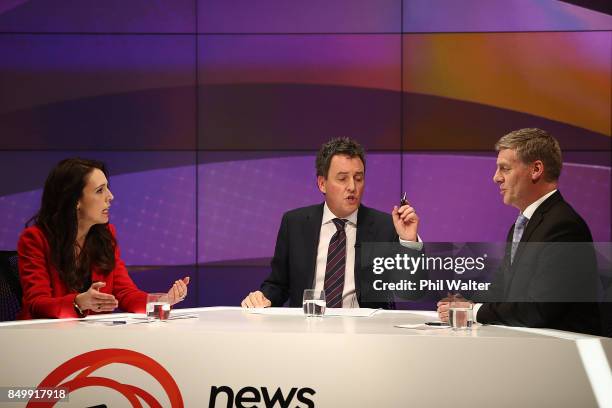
(158, 306)
(460, 315)
(314, 302)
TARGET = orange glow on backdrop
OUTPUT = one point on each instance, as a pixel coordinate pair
(559, 76)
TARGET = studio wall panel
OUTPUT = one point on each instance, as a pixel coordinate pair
(242, 197)
(154, 279)
(153, 209)
(464, 91)
(507, 15)
(587, 188)
(134, 16)
(458, 201)
(227, 286)
(314, 16)
(268, 92)
(97, 92)
(209, 114)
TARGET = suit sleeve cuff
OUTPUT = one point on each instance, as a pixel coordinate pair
(475, 310)
(418, 245)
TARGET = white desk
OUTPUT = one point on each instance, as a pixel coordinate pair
(347, 362)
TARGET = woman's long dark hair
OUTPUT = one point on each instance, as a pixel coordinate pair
(57, 218)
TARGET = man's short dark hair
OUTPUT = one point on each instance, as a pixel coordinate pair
(341, 145)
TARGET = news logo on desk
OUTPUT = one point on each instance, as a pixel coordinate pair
(85, 366)
(262, 397)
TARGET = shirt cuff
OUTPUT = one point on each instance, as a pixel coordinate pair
(418, 245)
(475, 309)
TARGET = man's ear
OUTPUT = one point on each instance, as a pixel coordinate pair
(537, 170)
(321, 183)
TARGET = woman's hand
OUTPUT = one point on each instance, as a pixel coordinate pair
(95, 300)
(178, 291)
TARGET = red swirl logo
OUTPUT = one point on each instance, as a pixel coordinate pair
(88, 363)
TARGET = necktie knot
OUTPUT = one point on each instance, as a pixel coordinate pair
(521, 221)
(339, 223)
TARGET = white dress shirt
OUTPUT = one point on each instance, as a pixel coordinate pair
(328, 229)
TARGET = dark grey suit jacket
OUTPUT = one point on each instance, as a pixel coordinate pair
(294, 262)
(539, 271)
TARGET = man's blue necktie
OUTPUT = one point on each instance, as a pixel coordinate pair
(519, 228)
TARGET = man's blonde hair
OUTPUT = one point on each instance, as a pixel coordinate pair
(533, 144)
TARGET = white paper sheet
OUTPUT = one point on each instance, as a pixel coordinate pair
(121, 320)
(420, 326)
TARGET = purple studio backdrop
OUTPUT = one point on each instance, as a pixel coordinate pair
(209, 113)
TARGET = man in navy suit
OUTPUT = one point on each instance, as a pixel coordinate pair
(308, 240)
(548, 277)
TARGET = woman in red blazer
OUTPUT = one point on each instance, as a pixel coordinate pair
(69, 260)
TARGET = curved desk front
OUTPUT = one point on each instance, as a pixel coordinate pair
(228, 357)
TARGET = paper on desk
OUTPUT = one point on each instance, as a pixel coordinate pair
(352, 312)
(113, 321)
(420, 326)
(276, 311)
(134, 319)
(173, 316)
(294, 311)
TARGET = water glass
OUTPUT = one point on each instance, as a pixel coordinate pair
(158, 306)
(460, 315)
(313, 302)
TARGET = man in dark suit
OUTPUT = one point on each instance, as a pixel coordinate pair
(320, 246)
(548, 277)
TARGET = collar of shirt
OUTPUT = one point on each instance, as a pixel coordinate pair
(531, 208)
(328, 216)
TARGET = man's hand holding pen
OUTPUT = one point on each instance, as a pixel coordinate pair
(405, 220)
